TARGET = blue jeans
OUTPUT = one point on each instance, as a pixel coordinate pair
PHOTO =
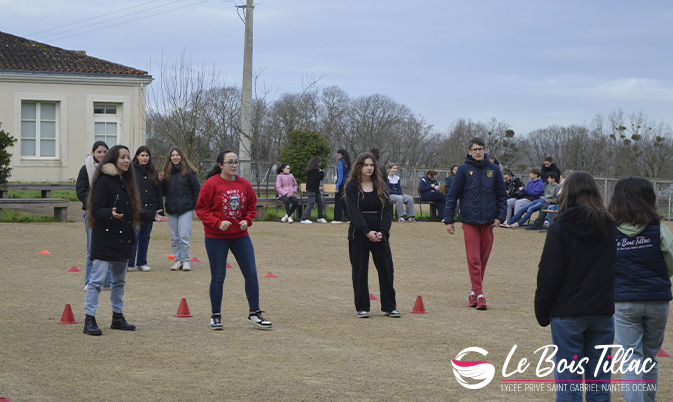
(289, 210)
(142, 243)
(242, 249)
(640, 325)
(313, 198)
(579, 336)
(89, 262)
(181, 230)
(526, 211)
(98, 273)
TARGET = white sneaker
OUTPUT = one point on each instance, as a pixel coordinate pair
(401, 220)
(322, 220)
(143, 268)
(86, 287)
(289, 220)
(336, 222)
(257, 319)
(176, 266)
(186, 266)
(306, 221)
(284, 218)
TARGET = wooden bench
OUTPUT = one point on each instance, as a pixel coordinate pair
(44, 188)
(60, 205)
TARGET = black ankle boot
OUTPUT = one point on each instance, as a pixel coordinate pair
(90, 326)
(119, 322)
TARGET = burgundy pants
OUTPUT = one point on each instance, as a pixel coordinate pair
(478, 244)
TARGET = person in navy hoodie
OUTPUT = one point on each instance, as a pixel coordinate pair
(483, 204)
(430, 190)
(343, 172)
(643, 269)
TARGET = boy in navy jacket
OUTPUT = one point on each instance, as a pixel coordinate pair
(480, 187)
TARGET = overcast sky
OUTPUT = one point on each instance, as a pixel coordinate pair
(528, 63)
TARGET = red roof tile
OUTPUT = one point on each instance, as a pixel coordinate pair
(20, 54)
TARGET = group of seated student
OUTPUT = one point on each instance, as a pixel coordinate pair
(524, 195)
(550, 196)
(544, 218)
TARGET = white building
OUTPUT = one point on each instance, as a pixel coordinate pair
(58, 102)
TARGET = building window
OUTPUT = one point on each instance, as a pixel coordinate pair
(38, 129)
(106, 123)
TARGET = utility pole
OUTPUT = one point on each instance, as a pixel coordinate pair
(245, 168)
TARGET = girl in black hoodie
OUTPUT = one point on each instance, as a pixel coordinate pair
(575, 283)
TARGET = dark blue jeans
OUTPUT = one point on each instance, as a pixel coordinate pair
(439, 200)
(241, 248)
(142, 243)
(578, 336)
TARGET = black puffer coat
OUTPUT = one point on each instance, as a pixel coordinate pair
(151, 199)
(182, 192)
(111, 239)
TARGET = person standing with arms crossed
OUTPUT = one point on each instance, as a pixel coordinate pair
(483, 205)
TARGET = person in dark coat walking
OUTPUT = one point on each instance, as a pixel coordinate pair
(181, 188)
(151, 206)
(113, 207)
(575, 288)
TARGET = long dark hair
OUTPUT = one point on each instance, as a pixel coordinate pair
(280, 168)
(580, 189)
(451, 170)
(129, 177)
(634, 201)
(313, 164)
(185, 164)
(377, 177)
(151, 170)
(219, 159)
(346, 156)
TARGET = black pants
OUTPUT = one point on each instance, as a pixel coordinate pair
(290, 203)
(340, 203)
(359, 250)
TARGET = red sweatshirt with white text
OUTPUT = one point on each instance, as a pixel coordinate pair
(221, 200)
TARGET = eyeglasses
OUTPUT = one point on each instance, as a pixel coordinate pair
(477, 149)
(232, 163)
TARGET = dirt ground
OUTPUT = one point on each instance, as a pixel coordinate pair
(318, 349)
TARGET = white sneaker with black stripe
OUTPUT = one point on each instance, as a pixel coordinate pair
(216, 322)
(257, 319)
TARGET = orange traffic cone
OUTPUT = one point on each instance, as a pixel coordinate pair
(171, 256)
(230, 266)
(419, 308)
(372, 297)
(662, 353)
(44, 252)
(194, 259)
(269, 275)
(183, 310)
(67, 317)
(73, 269)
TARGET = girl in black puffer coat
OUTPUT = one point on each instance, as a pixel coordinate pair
(181, 189)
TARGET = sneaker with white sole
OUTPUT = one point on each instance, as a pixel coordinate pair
(411, 220)
(514, 225)
(257, 319)
(176, 266)
(363, 314)
(144, 268)
(337, 222)
(322, 220)
(505, 225)
(216, 322)
(306, 221)
(401, 220)
(289, 220)
(284, 219)
(186, 266)
(393, 313)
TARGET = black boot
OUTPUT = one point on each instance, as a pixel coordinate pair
(90, 326)
(119, 322)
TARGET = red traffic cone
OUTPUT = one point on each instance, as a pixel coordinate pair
(44, 252)
(269, 275)
(662, 353)
(194, 259)
(372, 297)
(230, 266)
(183, 310)
(171, 256)
(67, 317)
(73, 269)
(4, 400)
(419, 308)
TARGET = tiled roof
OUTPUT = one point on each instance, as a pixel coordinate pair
(20, 54)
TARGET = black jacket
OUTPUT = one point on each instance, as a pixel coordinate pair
(544, 172)
(111, 239)
(151, 198)
(576, 273)
(82, 186)
(358, 222)
(182, 192)
(313, 178)
(513, 186)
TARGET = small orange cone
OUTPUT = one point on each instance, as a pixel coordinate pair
(269, 275)
(194, 259)
(183, 310)
(662, 353)
(230, 266)
(171, 256)
(73, 269)
(372, 297)
(419, 308)
(67, 317)
(44, 252)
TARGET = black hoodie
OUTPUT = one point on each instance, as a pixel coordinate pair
(576, 273)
